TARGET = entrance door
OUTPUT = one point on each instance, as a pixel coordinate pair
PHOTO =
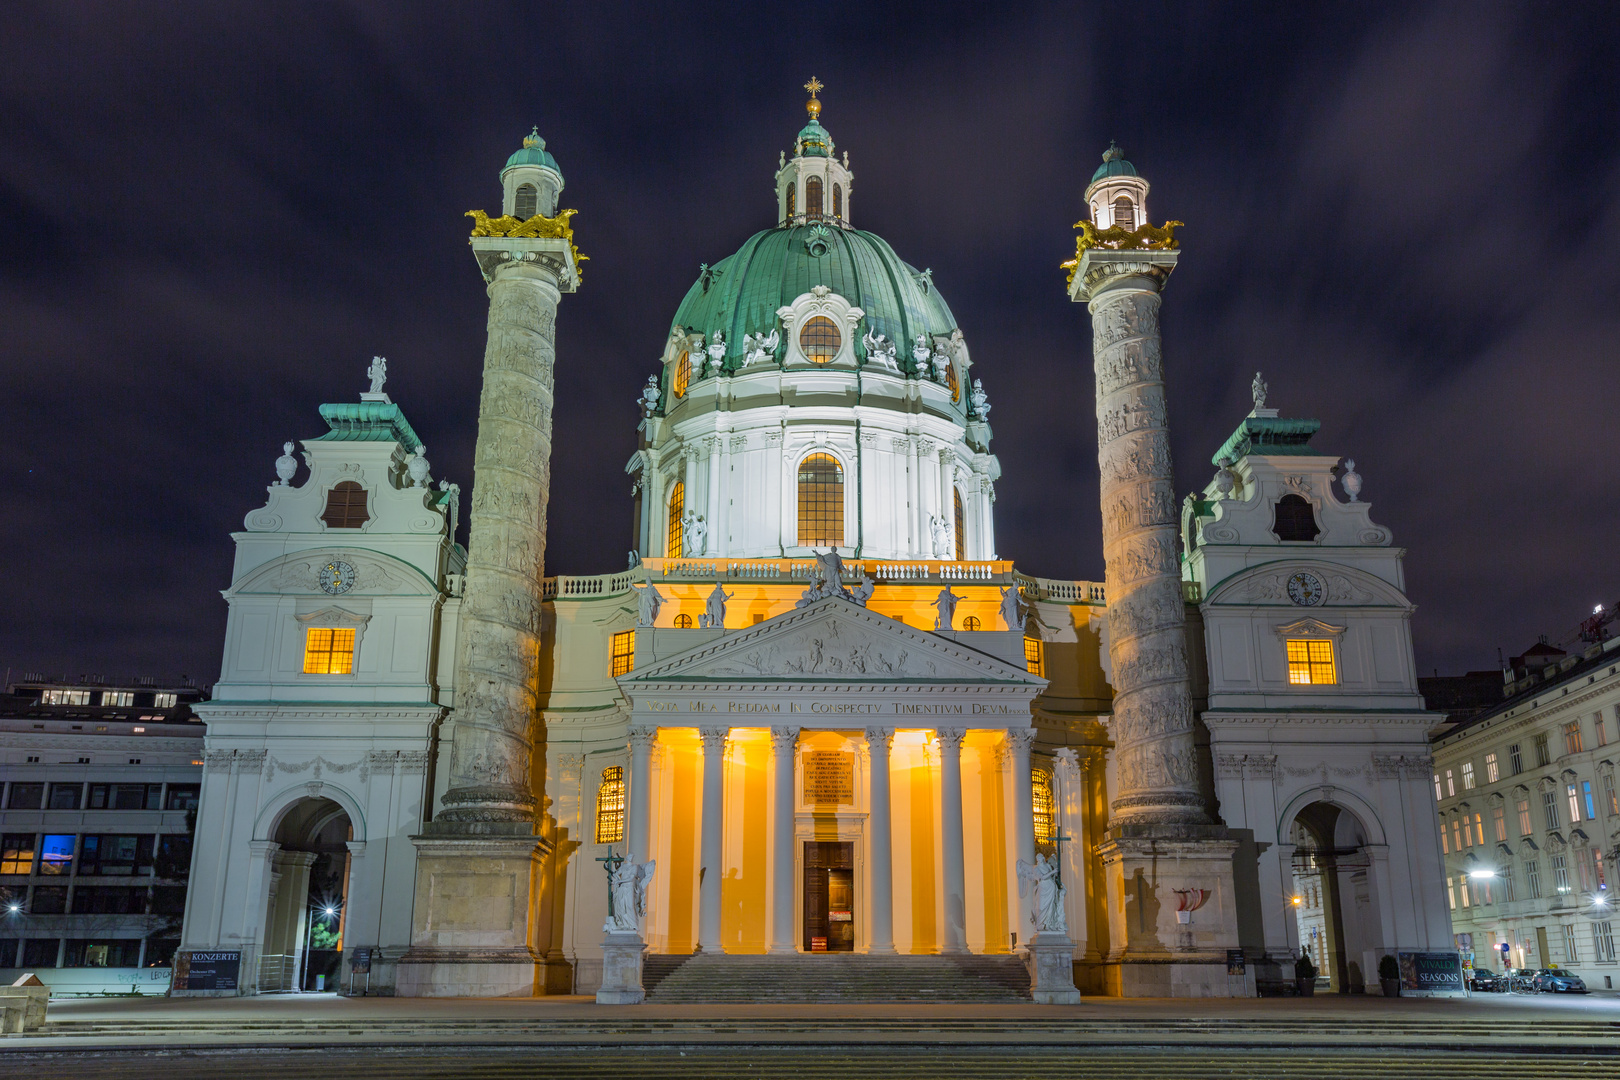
(829, 896)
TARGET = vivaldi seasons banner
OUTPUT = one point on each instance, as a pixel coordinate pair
(1424, 974)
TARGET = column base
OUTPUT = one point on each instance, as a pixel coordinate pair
(621, 969)
(1051, 969)
(468, 973)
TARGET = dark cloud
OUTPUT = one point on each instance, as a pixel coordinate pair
(212, 216)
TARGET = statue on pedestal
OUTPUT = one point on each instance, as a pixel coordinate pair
(648, 600)
(714, 609)
(1047, 914)
(627, 896)
(945, 605)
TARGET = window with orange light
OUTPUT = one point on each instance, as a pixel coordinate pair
(1310, 662)
(328, 651)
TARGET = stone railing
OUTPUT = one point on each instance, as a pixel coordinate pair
(999, 571)
(1072, 592)
(596, 585)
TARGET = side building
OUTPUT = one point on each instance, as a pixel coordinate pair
(1530, 815)
(100, 782)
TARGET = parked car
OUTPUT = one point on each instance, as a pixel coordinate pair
(1557, 981)
(1488, 981)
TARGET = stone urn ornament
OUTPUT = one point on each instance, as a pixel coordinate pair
(286, 465)
(418, 468)
(1350, 480)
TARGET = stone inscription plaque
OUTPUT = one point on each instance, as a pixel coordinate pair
(829, 777)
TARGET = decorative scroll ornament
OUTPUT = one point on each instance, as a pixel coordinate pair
(1117, 238)
(538, 227)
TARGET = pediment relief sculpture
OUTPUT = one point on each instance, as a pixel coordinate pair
(1309, 628)
(1340, 587)
(320, 571)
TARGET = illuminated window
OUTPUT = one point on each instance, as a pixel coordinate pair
(1492, 773)
(1437, 793)
(953, 381)
(1549, 809)
(610, 806)
(527, 202)
(1560, 869)
(328, 651)
(677, 506)
(164, 701)
(624, 652)
(123, 698)
(1468, 775)
(17, 853)
(1574, 805)
(1040, 788)
(1124, 213)
(1499, 823)
(1572, 737)
(821, 501)
(971, 623)
(838, 200)
(792, 199)
(1295, 520)
(1610, 796)
(1479, 829)
(1445, 844)
(1523, 808)
(812, 197)
(56, 854)
(683, 374)
(961, 527)
(64, 697)
(1456, 835)
(346, 506)
(683, 622)
(1310, 662)
(820, 339)
(1451, 783)
(1033, 660)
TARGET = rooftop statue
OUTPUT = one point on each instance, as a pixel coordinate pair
(945, 605)
(649, 396)
(378, 374)
(648, 601)
(1013, 609)
(1258, 389)
(881, 350)
(760, 348)
(714, 609)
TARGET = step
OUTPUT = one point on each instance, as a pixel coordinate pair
(847, 977)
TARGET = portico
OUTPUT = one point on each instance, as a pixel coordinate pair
(871, 807)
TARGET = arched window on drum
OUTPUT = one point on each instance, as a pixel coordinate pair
(677, 506)
(527, 202)
(961, 527)
(821, 502)
(812, 197)
(683, 374)
(1124, 213)
(838, 200)
(792, 202)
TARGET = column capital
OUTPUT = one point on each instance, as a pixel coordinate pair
(642, 737)
(784, 739)
(714, 738)
(1101, 269)
(951, 738)
(876, 735)
(1021, 739)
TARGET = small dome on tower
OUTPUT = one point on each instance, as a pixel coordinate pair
(814, 140)
(1114, 164)
(533, 154)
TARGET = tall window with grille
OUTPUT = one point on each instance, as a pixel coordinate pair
(1451, 784)
(527, 202)
(821, 502)
(1523, 807)
(1310, 662)
(838, 200)
(1603, 941)
(677, 507)
(792, 201)
(682, 378)
(1034, 659)
(1572, 737)
(1574, 803)
(1507, 884)
(328, 651)
(1610, 796)
(346, 506)
(1045, 806)
(1549, 809)
(1560, 869)
(1479, 828)
(1515, 759)
(1492, 774)
(1499, 823)
(622, 652)
(610, 806)
(1468, 775)
(812, 197)
(1445, 841)
(1532, 879)
(1542, 755)
(1571, 952)
(1124, 213)
(961, 526)
(1600, 734)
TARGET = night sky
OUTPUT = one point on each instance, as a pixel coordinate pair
(213, 216)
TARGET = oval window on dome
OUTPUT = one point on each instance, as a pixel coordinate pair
(683, 374)
(820, 340)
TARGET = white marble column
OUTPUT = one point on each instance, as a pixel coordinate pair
(712, 444)
(947, 504)
(639, 804)
(783, 743)
(712, 851)
(878, 741)
(689, 494)
(1023, 819)
(954, 939)
(914, 545)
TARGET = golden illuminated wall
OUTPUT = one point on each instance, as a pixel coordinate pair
(744, 891)
(984, 841)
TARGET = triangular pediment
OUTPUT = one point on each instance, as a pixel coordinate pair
(832, 640)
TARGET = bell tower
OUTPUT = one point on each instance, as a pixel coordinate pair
(812, 186)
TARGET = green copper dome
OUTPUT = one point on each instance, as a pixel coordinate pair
(741, 294)
(815, 140)
(1114, 164)
(533, 153)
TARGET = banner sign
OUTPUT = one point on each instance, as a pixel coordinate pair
(200, 970)
(1431, 974)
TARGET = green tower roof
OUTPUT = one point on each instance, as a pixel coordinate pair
(1114, 164)
(815, 140)
(533, 153)
(741, 294)
(1267, 435)
(367, 421)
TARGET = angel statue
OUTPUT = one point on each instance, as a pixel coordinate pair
(377, 373)
(760, 348)
(694, 534)
(981, 402)
(714, 609)
(649, 396)
(945, 605)
(863, 592)
(1013, 609)
(648, 601)
(940, 362)
(1047, 915)
(920, 352)
(942, 535)
(627, 896)
(880, 350)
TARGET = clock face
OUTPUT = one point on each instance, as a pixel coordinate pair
(1305, 589)
(338, 577)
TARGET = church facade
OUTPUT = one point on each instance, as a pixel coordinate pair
(820, 712)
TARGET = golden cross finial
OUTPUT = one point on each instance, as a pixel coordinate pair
(813, 106)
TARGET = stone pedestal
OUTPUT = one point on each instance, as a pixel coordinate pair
(1153, 953)
(621, 969)
(471, 935)
(1051, 969)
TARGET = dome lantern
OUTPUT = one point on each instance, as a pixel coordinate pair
(1116, 195)
(812, 186)
(531, 182)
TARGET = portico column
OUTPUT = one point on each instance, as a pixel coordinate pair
(641, 744)
(783, 743)
(713, 837)
(878, 741)
(950, 815)
(712, 444)
(1023, 817)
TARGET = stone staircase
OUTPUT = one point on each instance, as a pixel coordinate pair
(821, 978)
